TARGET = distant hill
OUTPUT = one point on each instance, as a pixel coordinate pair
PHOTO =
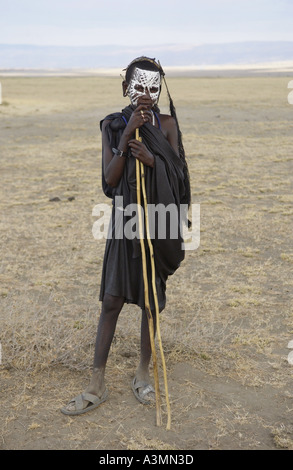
(59, 57)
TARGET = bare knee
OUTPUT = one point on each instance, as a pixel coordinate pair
(112, 304)
(145, 319)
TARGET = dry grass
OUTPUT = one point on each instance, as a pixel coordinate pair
(229, 309)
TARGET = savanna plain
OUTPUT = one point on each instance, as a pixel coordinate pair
(228, 319)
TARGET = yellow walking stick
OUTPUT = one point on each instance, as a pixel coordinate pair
(140, 175)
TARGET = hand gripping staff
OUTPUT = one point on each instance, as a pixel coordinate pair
(140, 184)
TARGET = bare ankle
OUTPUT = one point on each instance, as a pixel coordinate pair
(142, 373)
(97, 382)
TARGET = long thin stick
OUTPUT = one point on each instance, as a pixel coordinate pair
(146, 292)
(168, 427)
(154, 287)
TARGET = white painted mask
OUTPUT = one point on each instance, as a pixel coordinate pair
(141, 81)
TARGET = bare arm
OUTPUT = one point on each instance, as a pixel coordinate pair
(170, 131)
(114, 164)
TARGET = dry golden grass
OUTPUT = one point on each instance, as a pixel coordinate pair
(229, 307)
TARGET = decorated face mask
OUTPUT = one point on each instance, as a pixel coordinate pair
(141, 81)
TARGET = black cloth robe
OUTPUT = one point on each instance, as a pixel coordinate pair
(122, 266)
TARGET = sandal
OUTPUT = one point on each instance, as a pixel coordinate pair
(140, 395)
(78, 401)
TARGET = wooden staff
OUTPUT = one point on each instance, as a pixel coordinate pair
(141, 175)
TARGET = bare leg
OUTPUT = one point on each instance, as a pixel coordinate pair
(111, 307)
(142, 373)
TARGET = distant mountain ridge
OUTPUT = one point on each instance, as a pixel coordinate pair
(65, 57)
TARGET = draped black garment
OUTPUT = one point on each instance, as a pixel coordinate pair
(122, 266)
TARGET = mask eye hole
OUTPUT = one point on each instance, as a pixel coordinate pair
(139, 88)
(154, 89)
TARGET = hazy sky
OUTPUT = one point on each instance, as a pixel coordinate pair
(143, 22)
